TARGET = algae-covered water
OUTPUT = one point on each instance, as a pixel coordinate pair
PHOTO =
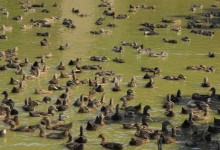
(83, 45)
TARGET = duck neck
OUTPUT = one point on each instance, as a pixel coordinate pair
(206, 113)
(117, 109)
(103, 98)
(42, 132)
(164, 128)
(173, 134)
(145, 111)
(70, 138)
(6, 95)
(190, 116)
(178, 93)
(81, 130)
(213, 92)
(103, 139)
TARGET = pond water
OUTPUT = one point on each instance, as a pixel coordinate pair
(83, 45)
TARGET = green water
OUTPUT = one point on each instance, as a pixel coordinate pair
(84, 45)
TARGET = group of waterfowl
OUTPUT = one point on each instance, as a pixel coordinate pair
(197, 106)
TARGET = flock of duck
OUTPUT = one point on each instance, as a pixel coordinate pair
(197, 106)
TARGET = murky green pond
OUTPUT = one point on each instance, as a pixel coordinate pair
(83, 45)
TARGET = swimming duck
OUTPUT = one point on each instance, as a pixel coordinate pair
(110, 145)
(177, 98)
(22, 128)
(81, 138)
(211, 54)
(138, 141)
(73, 145)
(188, 122)
(61, 66)
(132, 83)
(8, 119)
(150, 84)
(214, 96)
(19, 17)
(41, 91)
(53, 135)
(204, 117)
(205, 83)
(169, 112)
(108, 107)
(39, 113)
(14, 81)
(64, 75)
(63, 105)
(147, 76)
(63, 47)
(130, 125)
(92, 126)
(100, 120)
(28, 105)
(18, 89)
(117, 116)
(56, 125)
(72, 62)
(129, 95)
(54, 80)
(116, 87)
(135, 108)
(99, 88)
(168, 102)
(164, 127)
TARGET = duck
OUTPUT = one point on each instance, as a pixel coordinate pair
(54, 80)
(138, 141)
(164, 130)
(7, 118)
(129, 95)
(74, 62)
(132, 83)
(56, 125)
(117, 116)
(41, 91)
(116, 87)
(28, 105)
(3, 132)
(135, 108)
(110, 145)
(211, 54)
(145, 113)
(22, 128)
(81, 138)
(214, 96)
(61, 66)
(19, 17)
(188, 122)
(199, 118)
(99, 88)
(53, 135)
(70, 144)
(205, 83)
(100, 120)
(92, 126)
(108, 107)
(169, 112)
(63, 47)
(19, 71)
(14, 81)
(130, 125)
(168, 102)
(39, 113)
(64, 75)
(150, 84)
(17, 89)
(177, 98)
(62, 106)
(147, 76)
